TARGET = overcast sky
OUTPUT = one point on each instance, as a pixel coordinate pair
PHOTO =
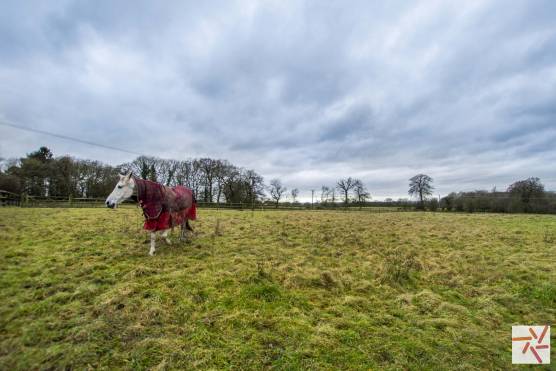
(307, 91)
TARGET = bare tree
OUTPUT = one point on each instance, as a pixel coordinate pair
(183, 170)
(222, 169)
(421, 186)
(143, 167)
(166, 171)
(196, 178)
(276, 190)
(254, 186)
(231, 189)
(188, 173)
(208, 169)
(361, 192)
(345, 186)
(324, 194)
(295, 193)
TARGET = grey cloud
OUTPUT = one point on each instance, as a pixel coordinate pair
(307, 91)
(356, 122)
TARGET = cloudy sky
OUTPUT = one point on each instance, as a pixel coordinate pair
(307, 91)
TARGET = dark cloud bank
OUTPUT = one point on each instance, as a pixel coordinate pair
(304, 91)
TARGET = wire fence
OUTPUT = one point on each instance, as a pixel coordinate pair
(463, 204)
(23, 201)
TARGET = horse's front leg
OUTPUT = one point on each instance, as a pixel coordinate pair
(153, 239)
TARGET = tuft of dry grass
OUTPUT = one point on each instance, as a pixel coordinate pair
(400, 265)
(273, 289)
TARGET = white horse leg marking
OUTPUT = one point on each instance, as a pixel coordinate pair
(153, 239)
(165, 235)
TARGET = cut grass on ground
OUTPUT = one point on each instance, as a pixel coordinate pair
(290, 290)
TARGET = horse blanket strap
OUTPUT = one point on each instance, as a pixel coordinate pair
(164, 207)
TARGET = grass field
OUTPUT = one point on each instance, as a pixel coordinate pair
(273, 289)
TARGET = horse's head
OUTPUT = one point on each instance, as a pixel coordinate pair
(123, 190)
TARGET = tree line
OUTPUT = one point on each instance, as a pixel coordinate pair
(349, 190)
(213, 180)
(523, 196)
(41, 174)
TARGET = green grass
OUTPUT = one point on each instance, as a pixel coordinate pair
(272, 289)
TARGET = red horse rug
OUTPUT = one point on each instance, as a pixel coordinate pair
(165, 207)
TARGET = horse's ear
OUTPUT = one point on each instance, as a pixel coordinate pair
(129, 175)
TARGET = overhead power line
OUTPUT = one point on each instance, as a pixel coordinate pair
(65, 137)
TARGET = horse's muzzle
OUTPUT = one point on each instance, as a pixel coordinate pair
(110, 205)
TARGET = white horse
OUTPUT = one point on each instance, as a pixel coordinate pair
(127, 188)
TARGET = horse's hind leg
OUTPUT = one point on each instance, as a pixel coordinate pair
(165, 235)
(182, 232)
(184, 228)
